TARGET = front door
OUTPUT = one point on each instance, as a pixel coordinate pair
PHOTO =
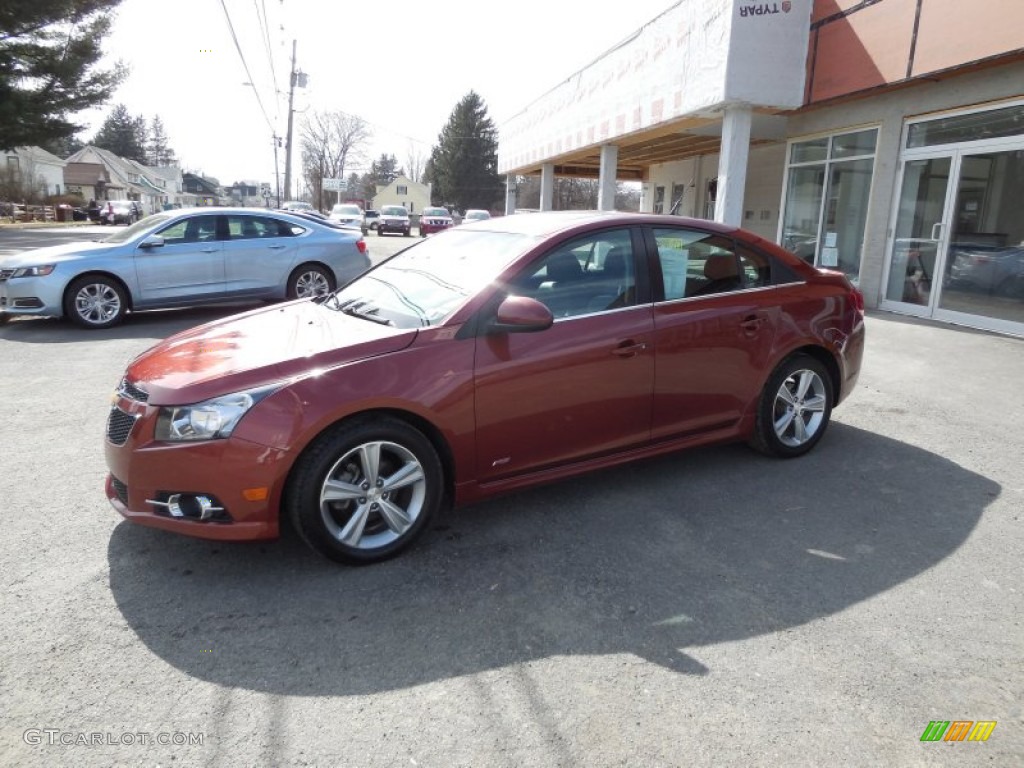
(581, 388)
(189, 266)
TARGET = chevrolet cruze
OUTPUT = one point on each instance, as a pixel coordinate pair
(485, 359)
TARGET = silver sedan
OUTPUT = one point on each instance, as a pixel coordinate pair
(183, 258)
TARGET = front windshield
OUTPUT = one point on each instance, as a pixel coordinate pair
(435, 212)
(140, 226)
(425, 283)
(346, 209)
(393, 210)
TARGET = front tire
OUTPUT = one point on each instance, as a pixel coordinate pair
(365, 491)
(95, 302)
(310, 280)
(794, 409)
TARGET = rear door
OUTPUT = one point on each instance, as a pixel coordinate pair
(715, 323)
(188, 267)
(259, 253)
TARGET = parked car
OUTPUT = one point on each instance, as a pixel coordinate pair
(997, 271)
(120, 212)
(434, 220)
(296, 205)
(348, 213)
(182, 258)
(393, 218)
(370, 218)
(478, 361)
(475, 214)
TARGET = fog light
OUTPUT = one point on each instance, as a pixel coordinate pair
(187, 505)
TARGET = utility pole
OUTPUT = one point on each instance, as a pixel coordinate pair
(288, 141)
(277, 172)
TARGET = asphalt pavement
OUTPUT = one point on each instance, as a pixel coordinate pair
(709, 608)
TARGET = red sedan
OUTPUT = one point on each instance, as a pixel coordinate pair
(518, 351)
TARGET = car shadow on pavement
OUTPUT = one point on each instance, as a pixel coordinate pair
(651, 559)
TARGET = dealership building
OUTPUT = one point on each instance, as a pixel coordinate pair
(884, 138)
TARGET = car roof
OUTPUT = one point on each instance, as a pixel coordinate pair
(551, 222)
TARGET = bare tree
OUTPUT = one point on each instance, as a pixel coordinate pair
(330, 141)
(415, 160)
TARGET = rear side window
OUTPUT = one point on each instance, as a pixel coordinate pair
(695, 263)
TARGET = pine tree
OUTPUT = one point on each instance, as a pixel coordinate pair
(123, 135)
(463, 165)
(158, 151)
(49, 50)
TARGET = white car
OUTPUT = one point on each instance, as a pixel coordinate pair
(348, 214)
(475, 214)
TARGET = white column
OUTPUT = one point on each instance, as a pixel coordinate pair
(510, 195)
(606, 179)
(547, 187)
(732, 165)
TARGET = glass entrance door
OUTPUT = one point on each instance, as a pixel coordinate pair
(920, 232)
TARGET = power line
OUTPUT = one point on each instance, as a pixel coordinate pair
(265, 26)
(245, 64)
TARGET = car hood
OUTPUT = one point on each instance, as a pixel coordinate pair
(261, 347)
(55, 254)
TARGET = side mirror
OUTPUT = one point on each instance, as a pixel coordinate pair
(521, 314)
(153, 241)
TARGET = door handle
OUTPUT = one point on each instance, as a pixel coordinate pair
(208, 250)
(752, 323)
(629, 348)
(275, 247)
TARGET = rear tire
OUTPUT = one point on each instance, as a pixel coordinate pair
(365, 491)
(310, 280)
(794, 409)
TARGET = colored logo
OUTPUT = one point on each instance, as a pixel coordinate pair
(958, 730)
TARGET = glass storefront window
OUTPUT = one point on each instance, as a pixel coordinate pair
(826, 206)
(977, 126)
(815, 150)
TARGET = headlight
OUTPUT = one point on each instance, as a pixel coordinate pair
(209, 420)
(41, 271)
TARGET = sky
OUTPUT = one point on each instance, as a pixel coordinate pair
(401, 66)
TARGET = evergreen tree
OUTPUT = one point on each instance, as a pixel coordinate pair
(384, 169)
(464, 163)
(49, 50)
(123, 135)
(158, 150)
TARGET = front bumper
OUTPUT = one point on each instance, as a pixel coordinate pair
(245, 479)
(31, 296)
(393, 226)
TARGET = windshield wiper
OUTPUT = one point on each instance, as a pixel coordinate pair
(363, 310)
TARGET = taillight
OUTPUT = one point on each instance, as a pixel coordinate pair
(857, 299)
(361, 245)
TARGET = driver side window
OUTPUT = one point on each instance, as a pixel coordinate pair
(595, 273)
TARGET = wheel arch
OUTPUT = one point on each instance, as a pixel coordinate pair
(98, 273)
(824, 357)
(425, 426)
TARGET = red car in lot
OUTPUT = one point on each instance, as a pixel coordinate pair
(434, 220)
(517, 351)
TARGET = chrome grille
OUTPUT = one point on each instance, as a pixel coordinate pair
(120, 489)
(132, 392)
(119, 426)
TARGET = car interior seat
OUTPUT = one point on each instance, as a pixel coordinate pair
(722, 275)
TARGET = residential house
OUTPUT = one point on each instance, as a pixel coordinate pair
(206, 191)
(169, 179)
(403, 191)
(124, 179)
(248, 193)
(36, 168)
(87, 180)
